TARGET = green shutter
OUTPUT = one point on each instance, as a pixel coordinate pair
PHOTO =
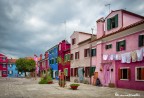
(124, 44)
(92, 70)
(140, 40)
(117, 46)
(108, 24)
(116, 20)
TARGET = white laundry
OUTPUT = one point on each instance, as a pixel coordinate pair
(134, 56)
(105, 57)
(123, 58)
(139, 55)
(112, 57)
(116, 57)
(128, 57)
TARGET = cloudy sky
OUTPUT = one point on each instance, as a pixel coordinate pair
(29, 27)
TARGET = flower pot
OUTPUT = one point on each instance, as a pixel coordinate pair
(50, 82)
(74, 87)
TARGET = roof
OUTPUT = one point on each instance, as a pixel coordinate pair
(82, 33)
(52, 48)
(12, 60)
(89, 39)
(122, 29)
(128, 12)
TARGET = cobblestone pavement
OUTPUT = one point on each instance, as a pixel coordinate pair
(29, 88)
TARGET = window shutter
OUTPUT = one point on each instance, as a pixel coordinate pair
(142, 73)
(117, 46)
(78, 55)
(140, 40)
(108, 24)
(106, 46)
(84, 52)
(129, 74)
(124, 44)
(119, 74)
(116, 20)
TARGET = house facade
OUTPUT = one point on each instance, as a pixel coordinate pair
(12, 69)
(120, 49)
(53, 62)
(43, 63)
(3, 65)
(64, 54)
(81, 64)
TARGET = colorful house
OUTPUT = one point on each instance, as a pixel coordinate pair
(81, 49)
(64, 54)
(3, 65)
(12, 69)
(43, 63)
(120, 50)
(53, 62)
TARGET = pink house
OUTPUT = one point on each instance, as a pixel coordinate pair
(120, 50)
(64, 53)
(43, 63)
(81, 65)
(3, 65)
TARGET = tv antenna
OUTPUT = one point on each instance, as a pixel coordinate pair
(108, 6)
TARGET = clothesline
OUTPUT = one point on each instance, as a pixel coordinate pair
(127, 57)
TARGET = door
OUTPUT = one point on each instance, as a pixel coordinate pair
(106, 74)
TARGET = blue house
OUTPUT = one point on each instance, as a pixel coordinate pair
(53, 56)
(12, 70)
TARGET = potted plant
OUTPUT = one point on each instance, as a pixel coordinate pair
(74, 86)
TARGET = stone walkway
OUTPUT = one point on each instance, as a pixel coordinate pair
(29, 88)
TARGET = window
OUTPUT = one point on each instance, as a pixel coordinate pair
(139, 73)
(141, 40)
(52, 61)
(73, 41)
(66, 72)
(124, 73)
(10, 65)
(87, 71)
(92, 70)
(4, 65)
(86, 52)
(109, 46)
(71, 71)
(71, 56)
(65, 57)
(4, 72)
(77, 55)
(68, 57)
(10, 72)
(112, 22)
(59, 73)
(121, 45)
(19, 73)
(4, 58)
(75, 71)
(93, 52)
(56, 60)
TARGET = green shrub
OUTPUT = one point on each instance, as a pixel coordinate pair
(74, 84)
(45, 79)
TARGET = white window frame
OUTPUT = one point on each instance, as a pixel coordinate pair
(136, 73)
(10, 72)
(127, 73)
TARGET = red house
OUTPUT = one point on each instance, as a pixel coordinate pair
(64, 53)
(3, 65)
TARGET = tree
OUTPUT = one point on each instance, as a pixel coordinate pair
(25, 65)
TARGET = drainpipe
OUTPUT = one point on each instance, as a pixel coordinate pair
(91, 53)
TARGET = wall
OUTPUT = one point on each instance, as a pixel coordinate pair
(129, 84)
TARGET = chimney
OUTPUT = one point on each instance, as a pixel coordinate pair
(46, 54)
(40, 56)
(100, 27)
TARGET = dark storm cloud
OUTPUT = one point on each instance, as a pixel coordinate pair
(30, 27)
